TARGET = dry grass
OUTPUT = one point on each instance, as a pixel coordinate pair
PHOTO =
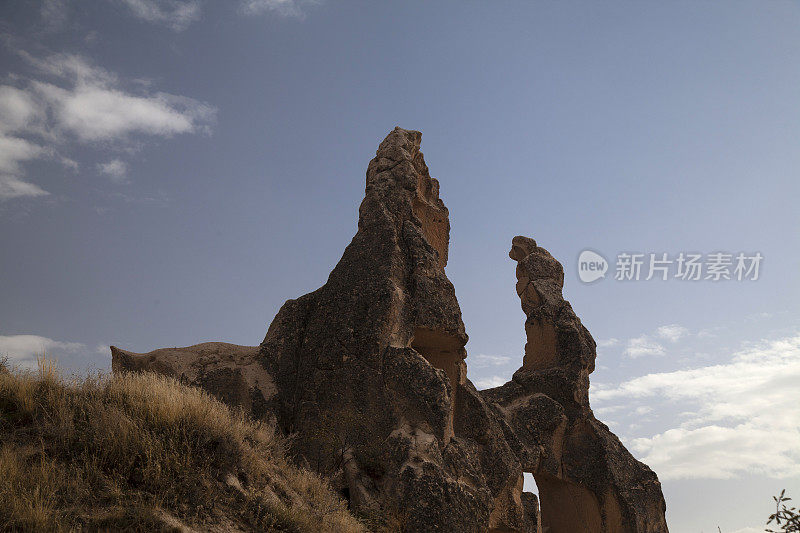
(141, 452)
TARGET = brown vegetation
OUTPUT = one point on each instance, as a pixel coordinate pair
(142, 452)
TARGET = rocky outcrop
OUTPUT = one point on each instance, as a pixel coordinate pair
(368, 374)
(376, 358)
(232, 373)
(587, 480)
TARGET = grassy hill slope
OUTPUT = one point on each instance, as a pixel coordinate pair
(145, 453)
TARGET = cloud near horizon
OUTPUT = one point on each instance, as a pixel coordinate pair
(738, 417)
(490, 382)
(22, 350)
(483, 360)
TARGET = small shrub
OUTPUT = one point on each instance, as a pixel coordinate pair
(786, 517)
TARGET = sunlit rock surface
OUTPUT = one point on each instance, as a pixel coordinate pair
(368, 373)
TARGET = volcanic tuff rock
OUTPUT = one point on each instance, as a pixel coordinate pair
(231, 372)
(587, 480)
(368, 373)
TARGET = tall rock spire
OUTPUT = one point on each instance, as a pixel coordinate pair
(376, 356)
(368, 374)
(587, 480)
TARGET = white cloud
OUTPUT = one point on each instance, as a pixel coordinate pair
(86, 104)
(644, 345)
(672, 332)
(94, 108)
(22, 350)
(14, 187)
(19, 110)
(96, 113)
(482, 360)
(605, 412)
(758, 316)
(706, 333)
(71, 67)
(13, 152)
(739, 417)
(488, 383)
(116, 170)
(607, 343)
(103, 349)
(176, 14)
(54, 13)
(287, 8)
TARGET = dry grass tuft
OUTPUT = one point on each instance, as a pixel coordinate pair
(141, 452)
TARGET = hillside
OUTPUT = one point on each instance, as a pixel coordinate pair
(142, 452)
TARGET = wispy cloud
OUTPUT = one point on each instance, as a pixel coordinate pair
(648, 345)
(483, 360)
(71, 100)
(103, 349)
(13, 152)
(706, 333)
(287, 8)
(22, 350)
(116, 170)
(175, 14)
(489, 382)
(642, 346)
(672, 332)
(739, 417)
(93, 107)
(54, 13)
(607, 343)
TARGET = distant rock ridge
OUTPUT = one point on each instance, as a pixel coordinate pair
(368, 373)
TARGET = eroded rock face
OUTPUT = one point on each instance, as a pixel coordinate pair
(587, 480)
(368, 373)
(376, 357)
(235, 374)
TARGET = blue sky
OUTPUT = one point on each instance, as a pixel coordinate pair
(172, 171)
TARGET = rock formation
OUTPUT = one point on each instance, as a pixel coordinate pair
(368, 374)
(233, 373)
(587, 480)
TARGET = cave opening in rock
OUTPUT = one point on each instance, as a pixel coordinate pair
(442, 351)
